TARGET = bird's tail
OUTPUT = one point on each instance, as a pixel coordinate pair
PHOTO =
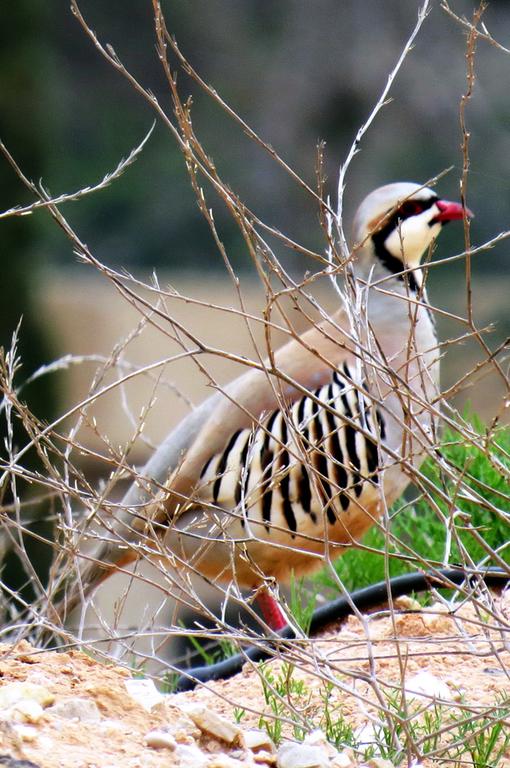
(119, 550)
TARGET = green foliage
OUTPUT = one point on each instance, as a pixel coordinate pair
(214, 651)
(331, 721)
(289, 700)
(478, 524)
(485, 739)
(302, 603)
(239, 713)
(169, 682)
(285, 697)
(457, 735)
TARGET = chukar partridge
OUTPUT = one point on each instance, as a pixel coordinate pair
(295, 460)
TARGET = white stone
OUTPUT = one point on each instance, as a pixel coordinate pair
(264, 757)
(45, 744)
(433, 616)
(160, 739)
(144, 692)
(256, 739)
(317, 738)
(210, 722)
(177, 722)
(292, 755)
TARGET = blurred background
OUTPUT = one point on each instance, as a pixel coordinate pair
(298, 73)
(297, 76)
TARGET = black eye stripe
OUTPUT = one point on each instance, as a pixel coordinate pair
(401, 215)
(398, 216)
(414, 208)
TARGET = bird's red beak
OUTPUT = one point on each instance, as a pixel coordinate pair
(449, 211)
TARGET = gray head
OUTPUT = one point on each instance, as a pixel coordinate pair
(396, 224)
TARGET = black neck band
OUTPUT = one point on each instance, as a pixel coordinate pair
(392, 264)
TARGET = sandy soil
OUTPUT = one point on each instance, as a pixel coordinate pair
(462, 659)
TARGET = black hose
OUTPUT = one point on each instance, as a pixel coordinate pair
(362, 600)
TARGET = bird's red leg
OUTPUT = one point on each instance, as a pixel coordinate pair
(270, 610)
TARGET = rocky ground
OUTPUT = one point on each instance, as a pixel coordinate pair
(66, 710)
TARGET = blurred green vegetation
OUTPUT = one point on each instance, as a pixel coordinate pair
(25, 126)
(23, 129)
(297, 77)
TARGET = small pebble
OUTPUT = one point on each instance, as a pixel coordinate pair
(317, 738)
(257, 739)
(292, 755)
(264, 758)
(210, 722)
(182, 728)
(437, 607)
(160, 739)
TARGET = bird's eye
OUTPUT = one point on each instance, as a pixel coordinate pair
(410, 208)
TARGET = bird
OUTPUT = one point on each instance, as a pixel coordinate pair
(292, 462)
